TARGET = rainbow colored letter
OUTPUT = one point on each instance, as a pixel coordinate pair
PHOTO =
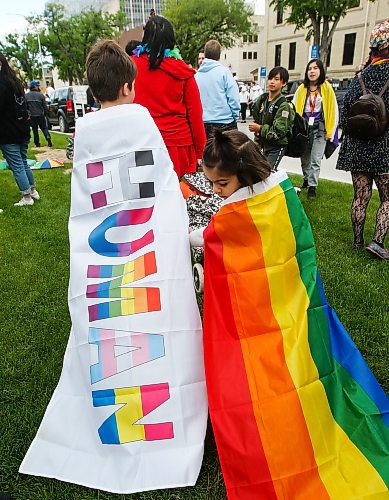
(138, 402)
(102, 246)
(145, 348)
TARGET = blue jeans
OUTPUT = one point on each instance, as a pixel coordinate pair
(16, 157)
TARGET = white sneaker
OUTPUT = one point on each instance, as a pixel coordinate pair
(24, 202)
(35, 195)
(1, 210)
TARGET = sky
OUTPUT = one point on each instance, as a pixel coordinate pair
(11, 13)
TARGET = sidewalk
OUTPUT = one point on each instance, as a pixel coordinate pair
(293, 165)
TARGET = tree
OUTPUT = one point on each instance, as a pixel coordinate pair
(197, 21)
(319, 17)
(69, 38)
(24, 52)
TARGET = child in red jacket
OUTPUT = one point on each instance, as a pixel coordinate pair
(165, 85)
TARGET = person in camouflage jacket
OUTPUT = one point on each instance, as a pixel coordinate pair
(273, 118)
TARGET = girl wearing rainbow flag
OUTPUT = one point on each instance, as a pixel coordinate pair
(295, 410)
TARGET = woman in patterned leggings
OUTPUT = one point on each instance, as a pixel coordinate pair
(368, 160)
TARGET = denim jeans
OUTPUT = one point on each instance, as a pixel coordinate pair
(311, 158)
(39, 122)
(16, 157)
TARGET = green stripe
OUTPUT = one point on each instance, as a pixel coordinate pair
(352, 408)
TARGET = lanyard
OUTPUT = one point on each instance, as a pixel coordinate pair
(312, 104)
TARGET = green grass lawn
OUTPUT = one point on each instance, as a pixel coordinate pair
(35, 324)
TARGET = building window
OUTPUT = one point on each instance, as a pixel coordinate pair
(255, 55)
(244, 38)
(354, 3)
(255, 38)
(292, 55)
(244, 55)
(250, 38)
(329, 55)
(250, 55)
(348, 49)
(225, 56)
(280, 15)
(277, 56)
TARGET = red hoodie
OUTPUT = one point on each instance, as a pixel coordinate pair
(171, 95)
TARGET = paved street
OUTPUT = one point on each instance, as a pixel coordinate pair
(292, 165)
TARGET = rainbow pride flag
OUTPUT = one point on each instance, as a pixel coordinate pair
(296, 412)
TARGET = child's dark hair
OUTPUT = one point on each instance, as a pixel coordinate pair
(158, 36)
(279, 70)
(322, 75)
(108, 68)
(8, 74)
(131, 45)
(233, 152)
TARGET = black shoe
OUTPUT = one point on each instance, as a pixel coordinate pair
(37, 145)
(311, 193)
(304, 184)
(49, 143)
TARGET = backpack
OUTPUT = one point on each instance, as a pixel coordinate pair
(299, 139)
(367, 117)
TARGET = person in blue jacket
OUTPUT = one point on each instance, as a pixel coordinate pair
(218, 91)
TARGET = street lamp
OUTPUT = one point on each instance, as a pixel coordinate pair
(39, 46)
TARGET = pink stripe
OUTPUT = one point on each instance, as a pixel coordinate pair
(91, 290)
(93, 312)
(142, 242)
(108, 359)
(94, 169)
(153, 395)
(93, 272)
(156, 432)
(142, 355)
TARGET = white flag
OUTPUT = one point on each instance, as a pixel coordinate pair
(129, 413)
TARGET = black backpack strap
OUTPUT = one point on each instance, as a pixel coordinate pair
(362, 83)
(384, 88)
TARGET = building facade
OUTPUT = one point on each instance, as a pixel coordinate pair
(349, 48)
(248, 55)
(137, 11)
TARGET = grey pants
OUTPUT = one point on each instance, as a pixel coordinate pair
(311, 159)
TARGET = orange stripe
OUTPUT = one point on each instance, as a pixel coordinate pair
(276, 404)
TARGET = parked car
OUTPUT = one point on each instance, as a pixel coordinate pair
(64, 108)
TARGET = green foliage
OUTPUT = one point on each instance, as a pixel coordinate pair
(319, 17)
(197, 21)
(23, 50)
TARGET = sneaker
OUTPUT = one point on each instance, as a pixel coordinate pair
(304, 184)
(49, 143)
(35, 195)
(311, 193)
(38, 146)
(1, 210)
(24, 202)
(377, 250)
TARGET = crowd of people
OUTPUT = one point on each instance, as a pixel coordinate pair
(190, 105)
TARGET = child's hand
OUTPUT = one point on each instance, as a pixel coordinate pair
(254, 127)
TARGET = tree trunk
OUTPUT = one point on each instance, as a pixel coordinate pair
(324, 42)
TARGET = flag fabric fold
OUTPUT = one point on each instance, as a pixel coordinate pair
(295, 409)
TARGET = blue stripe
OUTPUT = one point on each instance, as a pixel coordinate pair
(103, 310)
(348, 356)
(156, 346)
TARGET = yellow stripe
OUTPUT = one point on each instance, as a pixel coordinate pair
(130, 413)
(344, 470)
(128, 278)
(128, 307)
(129, 266)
